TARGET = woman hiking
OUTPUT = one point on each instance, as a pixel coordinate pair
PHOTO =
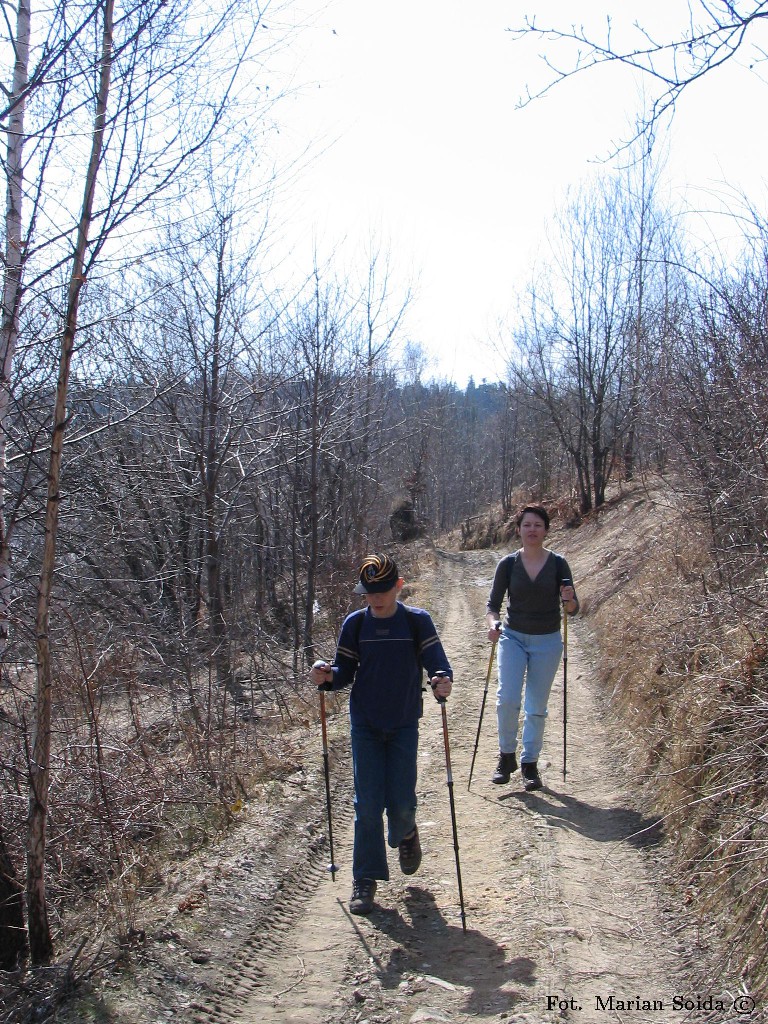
(536, 582)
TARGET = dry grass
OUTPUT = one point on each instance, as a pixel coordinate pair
(690, 685)
(687, 678)
(140, 779)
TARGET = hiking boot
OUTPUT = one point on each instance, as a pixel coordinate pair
(363, 891)
(531, 777)
(507, 764)
(410, 853)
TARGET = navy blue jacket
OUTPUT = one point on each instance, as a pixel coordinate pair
(382, 660)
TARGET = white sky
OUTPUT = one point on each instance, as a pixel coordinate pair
(411, 105)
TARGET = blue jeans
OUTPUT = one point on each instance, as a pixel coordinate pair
(385, 779)
(531, 659)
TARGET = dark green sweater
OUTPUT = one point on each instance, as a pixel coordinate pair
(533, 605)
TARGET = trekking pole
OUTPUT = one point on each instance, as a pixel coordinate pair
(565, 683)
(482, 711)
(332, 866)
(441, 702)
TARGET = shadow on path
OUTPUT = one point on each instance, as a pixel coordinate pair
(603, 824)
(429, 951)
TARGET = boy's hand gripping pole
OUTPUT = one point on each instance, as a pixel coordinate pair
(482, 712)
(441, 702)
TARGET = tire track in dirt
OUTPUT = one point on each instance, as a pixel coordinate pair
(262, 934)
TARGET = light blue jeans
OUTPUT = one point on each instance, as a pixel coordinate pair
(530, 659)
(384, 763)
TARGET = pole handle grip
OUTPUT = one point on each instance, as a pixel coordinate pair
(443, 675)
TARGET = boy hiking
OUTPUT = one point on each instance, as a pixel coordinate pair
(381, 652)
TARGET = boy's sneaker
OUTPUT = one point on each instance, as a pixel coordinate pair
(531, 777)
(363, 891)
(410, 853)
(507, 764)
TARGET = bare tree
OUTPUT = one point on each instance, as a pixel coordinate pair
(12, 937)
(654, 247)
(710, 33)
(145, 126)
(716, 416)
(573, 337)
(329, 373)
(173, 91)
(40, 940)
(383, 320)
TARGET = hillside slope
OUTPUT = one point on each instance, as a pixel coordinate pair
(572, 911)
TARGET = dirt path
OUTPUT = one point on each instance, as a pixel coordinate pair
(562, 904)
(565, 908)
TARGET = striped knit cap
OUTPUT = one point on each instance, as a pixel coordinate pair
(378, 573)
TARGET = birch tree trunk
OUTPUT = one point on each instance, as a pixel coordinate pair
(40, 941)
(12, 281)
(12, 933)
